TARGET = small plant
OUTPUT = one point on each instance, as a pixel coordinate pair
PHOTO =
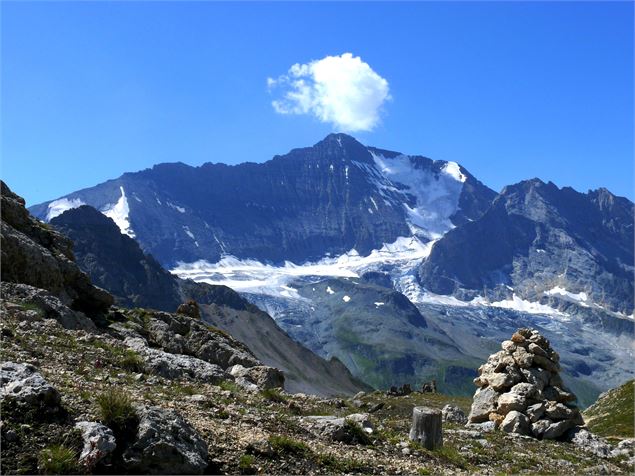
(356, 433)
(131, 361)
(116, 411)
(273, 395)
(58, 459)
(229, 386)
(284, 445)
(246, 464)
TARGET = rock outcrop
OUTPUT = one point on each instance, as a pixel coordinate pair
(520, 390)
(36, 255)
(23, 386)
(165, 444)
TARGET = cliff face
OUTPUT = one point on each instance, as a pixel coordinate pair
(540, 242)
(329, 198)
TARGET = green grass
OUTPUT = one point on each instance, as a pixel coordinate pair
(273, 395)
(356, 432)
(117, 412)
(126, 359)
(337, 465)
(613, 415)
(246, 464)
(58, 459)
(285, 445)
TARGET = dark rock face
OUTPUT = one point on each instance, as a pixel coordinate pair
(536, 238)
(115, 261)
(35, 255)
(328, 198)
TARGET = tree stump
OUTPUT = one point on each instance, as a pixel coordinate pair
(426, 427)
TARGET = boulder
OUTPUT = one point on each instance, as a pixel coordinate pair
(557, 429)
(262, 376)
(510, 401)
(484, 403)
(165, 444)
(22, 385)
(536, 411)
(453, 414)
(515, 422)
(340, 428)
(99, 443)
(189, 308)
(587, 441)
(176, 366)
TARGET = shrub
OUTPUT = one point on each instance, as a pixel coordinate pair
(117, 412)
(58, 459)
(356, 433)
(273, 395)
(246, 464)
(131, 361)
(284, 445)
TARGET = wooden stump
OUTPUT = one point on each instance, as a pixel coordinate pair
(426, 427)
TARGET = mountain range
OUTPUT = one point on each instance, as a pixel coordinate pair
(401, 267)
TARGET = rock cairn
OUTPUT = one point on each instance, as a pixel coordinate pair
(520, 390)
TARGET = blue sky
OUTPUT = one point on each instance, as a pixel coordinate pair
(509, 90)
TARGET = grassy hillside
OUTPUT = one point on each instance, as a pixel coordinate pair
(613, 415)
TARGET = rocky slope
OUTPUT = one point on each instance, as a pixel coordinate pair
(613, 415)
(554, 246)
(115, 262)
(224, 428)
(329, 198)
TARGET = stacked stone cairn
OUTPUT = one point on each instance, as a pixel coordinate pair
(521, 392)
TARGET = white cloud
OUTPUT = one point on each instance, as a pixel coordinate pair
(342, 90)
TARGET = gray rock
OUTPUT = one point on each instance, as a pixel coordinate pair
(546, 363)
(484, 427)
(484, 403)
(453, 414)
(508, 402)
(558, 411)
(536, 376)
(536, 349)
(526, 390)
(556, 394)
(336, 429)
(99, 443)
(590, 443)
(176, 366)
(538, 428)
(497, 381)
(523, 358)
(20, 383)
(165, 444)
(515, 422)
(262, 376)
(536, 411)
(557, 429)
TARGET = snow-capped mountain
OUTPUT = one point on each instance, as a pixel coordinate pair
(331, 239)
(310, 203)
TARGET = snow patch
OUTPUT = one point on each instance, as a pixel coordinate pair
(176, 207)
(119, 212)
(255, 277)
(57, 207)
(346, 298)
(559, 291)
(518, 304)
(378, 304)
(436, 194)
(454, 170)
